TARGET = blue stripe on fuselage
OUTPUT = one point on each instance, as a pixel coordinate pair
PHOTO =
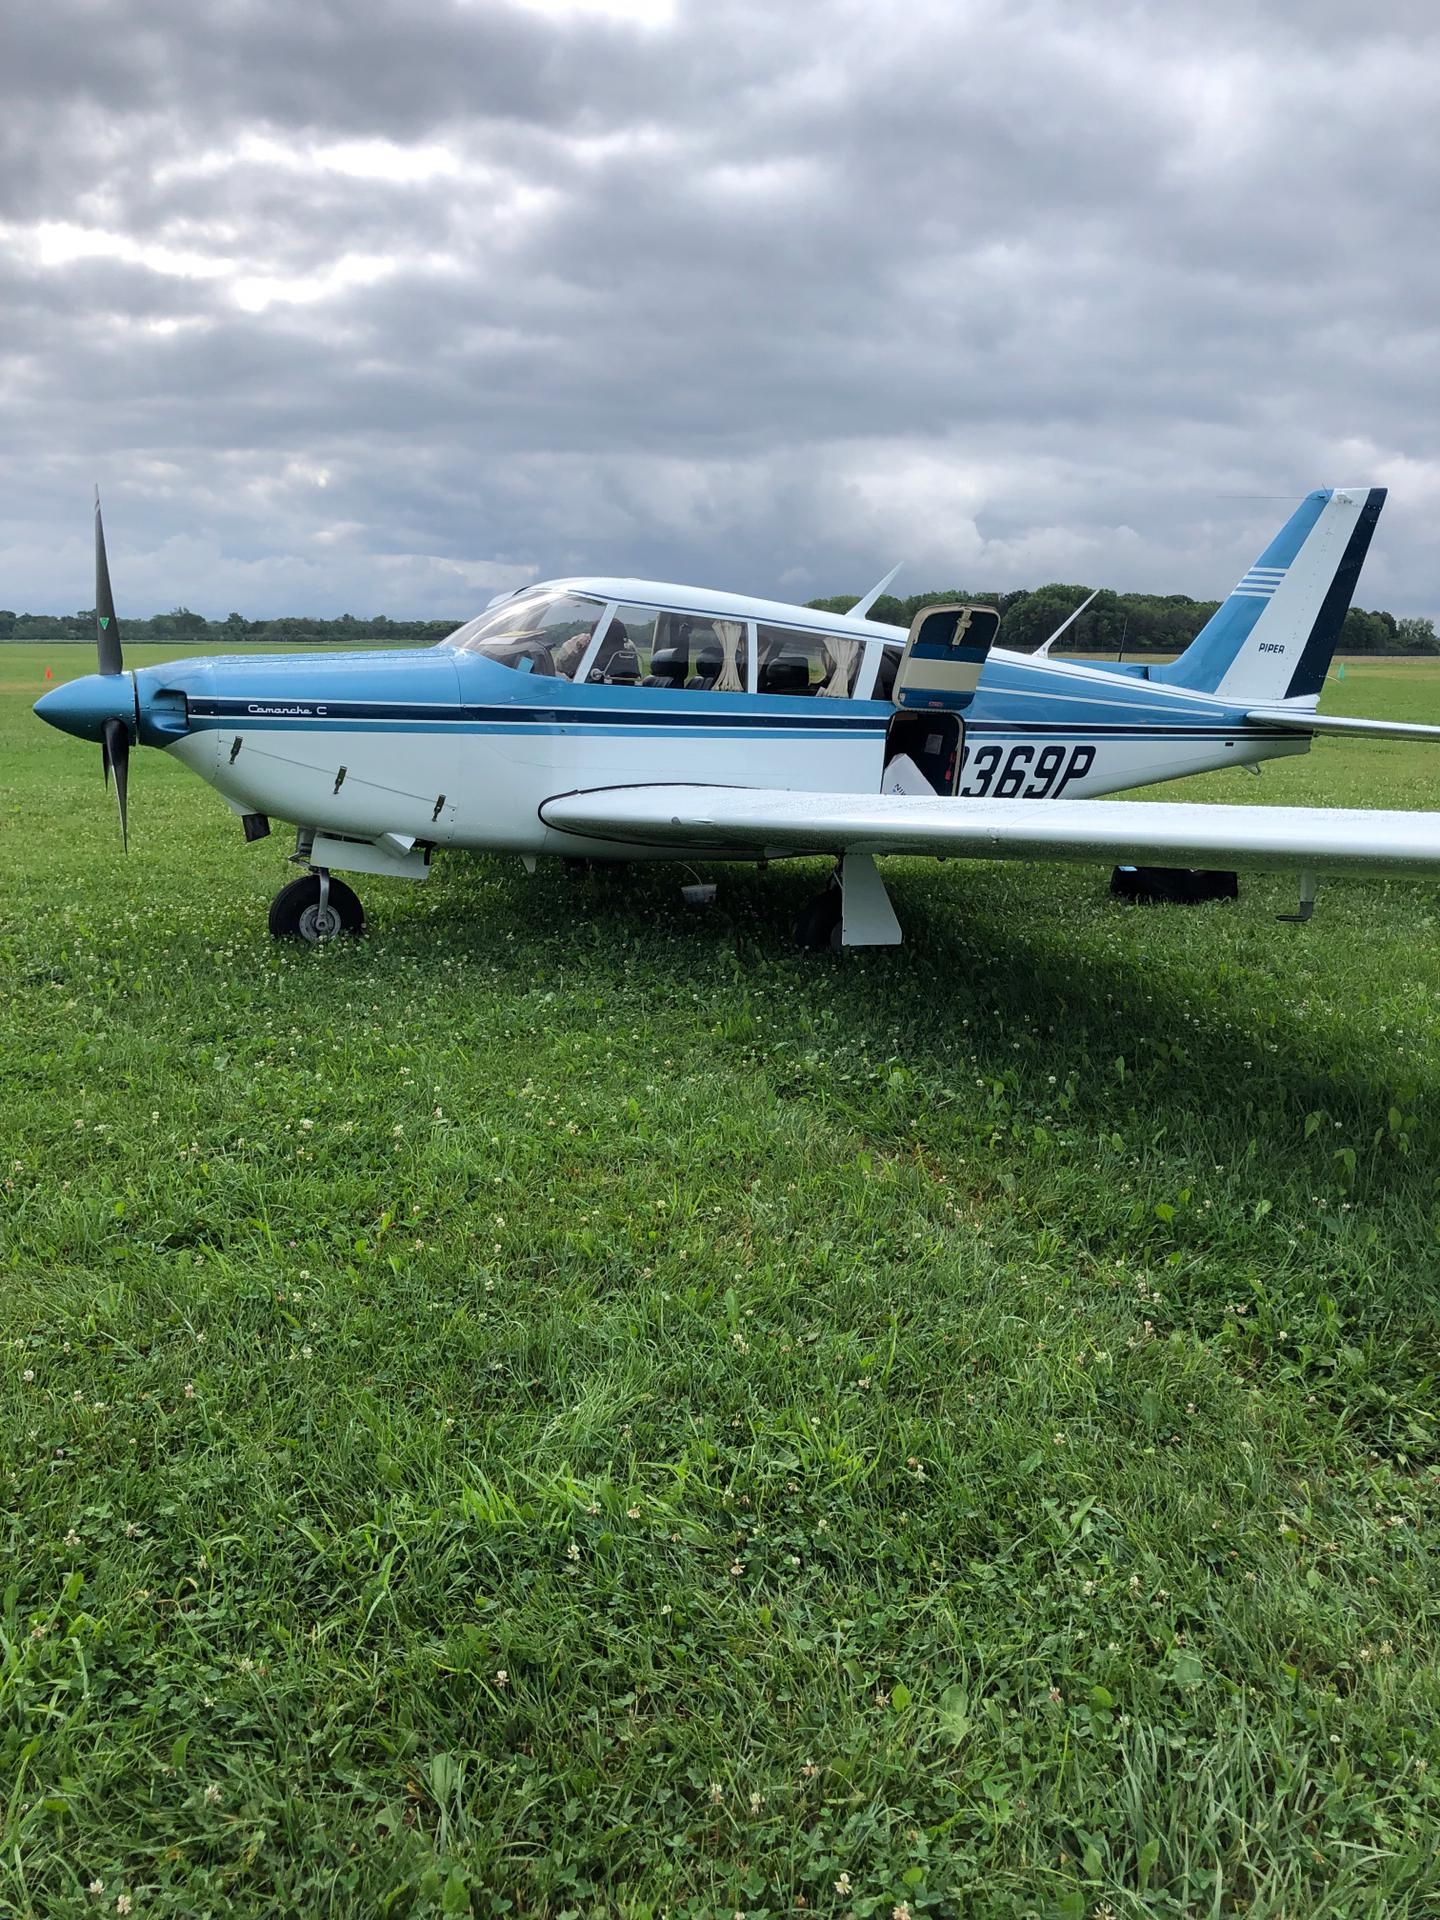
(438, 690)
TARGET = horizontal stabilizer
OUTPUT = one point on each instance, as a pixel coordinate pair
(1299, 722)
(737, 821)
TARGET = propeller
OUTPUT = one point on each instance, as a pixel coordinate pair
(115, 757)
(115, 735)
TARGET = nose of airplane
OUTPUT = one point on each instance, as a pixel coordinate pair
(81, 707)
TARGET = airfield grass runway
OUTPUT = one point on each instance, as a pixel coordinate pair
(571, 1406)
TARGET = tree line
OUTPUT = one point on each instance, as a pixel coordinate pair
(1116, 623)
(1113, 623)
(184, 628)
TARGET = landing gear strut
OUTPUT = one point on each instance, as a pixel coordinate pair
(853, 910)
(316, 907)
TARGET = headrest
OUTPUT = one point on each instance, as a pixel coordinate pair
(789, 674)
(668, 663)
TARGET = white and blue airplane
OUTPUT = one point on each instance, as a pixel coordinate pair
(632, 720)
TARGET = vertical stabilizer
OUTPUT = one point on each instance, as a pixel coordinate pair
(1274, 637)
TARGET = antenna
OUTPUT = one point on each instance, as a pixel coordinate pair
(867, 600)
(1041, 652)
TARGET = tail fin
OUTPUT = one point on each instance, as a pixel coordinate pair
(1273, 638)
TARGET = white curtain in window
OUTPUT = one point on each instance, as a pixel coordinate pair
(730, 633)
(846, 655)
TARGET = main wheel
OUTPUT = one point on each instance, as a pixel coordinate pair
(295, 911)
(818, 925)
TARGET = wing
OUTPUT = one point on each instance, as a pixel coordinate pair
(746, 821)
(1299, 722)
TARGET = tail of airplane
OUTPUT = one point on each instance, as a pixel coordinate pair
(1273, 638)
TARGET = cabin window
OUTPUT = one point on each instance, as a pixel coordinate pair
(685, 652)
(884, 688)
(794, 661)
(546, 633)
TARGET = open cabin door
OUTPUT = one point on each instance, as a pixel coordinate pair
(934, 682)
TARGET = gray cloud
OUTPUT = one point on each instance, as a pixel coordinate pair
(385, 307)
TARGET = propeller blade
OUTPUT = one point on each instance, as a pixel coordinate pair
(115, 749)
(107, 627)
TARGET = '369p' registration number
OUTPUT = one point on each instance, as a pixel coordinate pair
(1026, 772)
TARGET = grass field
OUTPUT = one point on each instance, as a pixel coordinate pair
(572, 1407)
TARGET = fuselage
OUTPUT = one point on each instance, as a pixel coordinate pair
(461, 744)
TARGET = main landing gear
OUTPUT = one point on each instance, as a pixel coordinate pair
(852, 910)
(817, 926)
(316, 907)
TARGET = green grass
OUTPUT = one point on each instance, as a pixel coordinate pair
(573, 1407)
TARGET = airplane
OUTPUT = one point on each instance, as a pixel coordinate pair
(618, 720)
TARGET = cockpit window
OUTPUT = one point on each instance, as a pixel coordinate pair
(533, 632)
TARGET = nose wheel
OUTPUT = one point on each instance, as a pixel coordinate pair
(316, 907)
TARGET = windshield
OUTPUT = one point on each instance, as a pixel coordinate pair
(533, 632)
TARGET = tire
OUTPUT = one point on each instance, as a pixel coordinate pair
(818, 926)
(295, 911)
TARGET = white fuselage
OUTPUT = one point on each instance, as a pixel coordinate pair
(452, 749)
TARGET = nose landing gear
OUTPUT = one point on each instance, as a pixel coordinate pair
(316, 907)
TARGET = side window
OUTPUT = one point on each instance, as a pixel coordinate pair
(884, 688)
(622, 655)
(684, 652)
(793, 661)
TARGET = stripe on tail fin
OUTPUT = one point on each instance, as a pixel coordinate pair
(1274, 637)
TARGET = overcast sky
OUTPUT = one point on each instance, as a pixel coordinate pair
(385, 307)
